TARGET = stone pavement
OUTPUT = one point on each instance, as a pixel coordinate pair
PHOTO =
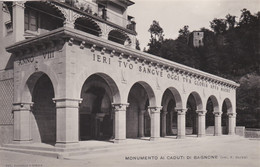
(211, 151)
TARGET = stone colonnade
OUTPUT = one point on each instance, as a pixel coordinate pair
(67, 130)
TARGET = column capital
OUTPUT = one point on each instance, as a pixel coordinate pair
(154, 109)
(120, 106)
(22, 106)
(19, 3)
(231, 115)
(201, 112)
(181, 111)
(217, 113)
(67, 102)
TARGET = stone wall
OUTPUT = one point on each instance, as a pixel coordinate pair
(210, 130)
(252, 133)
(240, 130)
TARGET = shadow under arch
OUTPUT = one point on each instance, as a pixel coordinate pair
(176, 95)
(88, 25)
(118, 37)
(138, 120)
(44, 12)
(212, 107)
(40, 91)
(226, 108)
(193, 104)
(115, 93)
(171, 99)
(98, 93)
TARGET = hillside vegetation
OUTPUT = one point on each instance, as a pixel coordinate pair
(231, 50)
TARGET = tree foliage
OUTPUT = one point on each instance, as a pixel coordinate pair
(156, 40)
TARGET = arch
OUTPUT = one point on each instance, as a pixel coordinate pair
(43, 118)
(228, 104)
(138, 121)
(95, 112)
(215, 103)
(176, 96)
(149, 91)
(31, 77)
(226, 108)
(116, 97)
(198, 101)
(46, 11)
(119, 37)
(87, 25)
(212, 107)
(39, 89)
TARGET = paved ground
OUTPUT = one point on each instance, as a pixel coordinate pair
(224, 151)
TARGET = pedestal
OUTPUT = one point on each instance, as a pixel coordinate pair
(217, 127)
(201, 123)
(155, 122)
(120, 122)
(67, 115)
(22, 122)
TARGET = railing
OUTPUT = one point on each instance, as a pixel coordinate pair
(93, 9)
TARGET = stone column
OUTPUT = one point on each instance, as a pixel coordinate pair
(18, 21)
(164, 123)
(201, 123)
(217, 127)
(141, 123)
(67, 125)
(171, 123)
(155, 122)
(120, 122)
(113, 117)
(181, 127)
(22, 122)
(231, 123)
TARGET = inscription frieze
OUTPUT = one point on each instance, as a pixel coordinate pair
(150, 70)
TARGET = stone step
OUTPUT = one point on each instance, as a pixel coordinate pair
(33, 152)
(71, 153)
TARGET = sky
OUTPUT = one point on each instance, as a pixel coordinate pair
(174, 14)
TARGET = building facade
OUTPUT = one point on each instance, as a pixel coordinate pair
(70, 72)
(198, 38)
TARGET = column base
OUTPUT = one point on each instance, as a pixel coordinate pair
(67, 145)
(154, 138)
(181, 137)
(218, 134)
(119, 141)
(201, 135)
(22, 141)
(231, 134)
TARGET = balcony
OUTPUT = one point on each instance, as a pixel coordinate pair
(100, 12)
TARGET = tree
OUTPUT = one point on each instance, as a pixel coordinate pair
(156, 40)
(156, 32)
(184, 34)
(231, 21)
(218, 25)
(246, 18)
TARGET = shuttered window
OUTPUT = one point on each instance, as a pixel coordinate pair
(30, 20)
